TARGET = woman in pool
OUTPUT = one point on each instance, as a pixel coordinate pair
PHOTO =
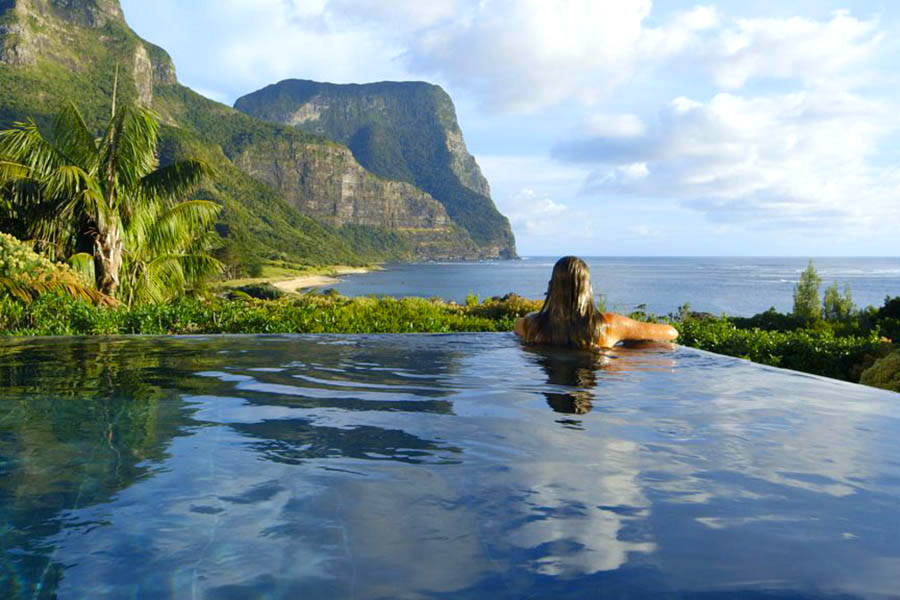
(569, 317)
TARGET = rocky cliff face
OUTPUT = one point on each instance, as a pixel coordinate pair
(325, 182)
(59, 31)
(54, 51)
(405, 131)
(34, 28)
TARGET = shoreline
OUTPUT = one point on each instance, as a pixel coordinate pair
(304, 282)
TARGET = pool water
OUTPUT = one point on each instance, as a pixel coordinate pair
(436, 466)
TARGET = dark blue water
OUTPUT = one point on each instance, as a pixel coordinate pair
(734, 286)
(459, 466)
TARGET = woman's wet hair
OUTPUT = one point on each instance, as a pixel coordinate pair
(569, 316)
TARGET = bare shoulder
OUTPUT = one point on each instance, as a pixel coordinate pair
(523, 325)
(608, 332)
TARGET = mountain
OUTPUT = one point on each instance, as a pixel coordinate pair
(269, 176)
(405, 131)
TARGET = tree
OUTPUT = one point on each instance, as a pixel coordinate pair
(806, 295)
(106, 201)
(24, 275)
(836, 307)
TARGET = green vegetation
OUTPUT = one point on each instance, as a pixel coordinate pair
(72, 208)
(400, 131)
(105, 204)
(25, 275)
(806, 295)
(820, 352)
(836, 308)
(61, 56)
(312, 313)
(833, 339)
(823, 349)
(885, 373)
(260, 291)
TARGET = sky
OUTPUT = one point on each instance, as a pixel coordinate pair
(611, 127)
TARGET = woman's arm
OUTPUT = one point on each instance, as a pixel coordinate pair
(620, 328)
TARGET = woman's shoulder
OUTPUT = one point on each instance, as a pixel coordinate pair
(524, 325)
(602, 337)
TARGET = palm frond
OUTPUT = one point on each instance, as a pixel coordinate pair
(199, 266)
(66, 180)
(130, 152)
(172, 230)
(168, 275)
(17, 289)
(74, 140)
(26, 145)
(175, 181)
(27, 290)
(12, 171)
(72, 189)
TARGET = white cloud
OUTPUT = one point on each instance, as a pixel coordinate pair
(512, 55)
(526, 54)
(405, 16)
(615, 125)
(535, 172)
(794, 48)
(534, 213)
(633, 171)
(791, 160)
(230, 48)
(776, 122)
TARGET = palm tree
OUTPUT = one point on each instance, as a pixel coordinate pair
(107, 202)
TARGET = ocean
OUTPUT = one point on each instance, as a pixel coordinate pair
(737, 286)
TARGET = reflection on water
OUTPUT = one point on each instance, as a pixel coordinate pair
(461, 466)
(578, 370)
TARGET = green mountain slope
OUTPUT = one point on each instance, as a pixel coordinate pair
(55, 51)
(404, 131)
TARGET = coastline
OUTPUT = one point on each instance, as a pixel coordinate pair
(304, 282)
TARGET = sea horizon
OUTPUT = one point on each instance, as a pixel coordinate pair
(732, 285)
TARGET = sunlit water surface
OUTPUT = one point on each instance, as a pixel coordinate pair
(458, 466)
(739, 286)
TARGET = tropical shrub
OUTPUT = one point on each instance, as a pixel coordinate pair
(835, 307)
(885, 373)
(814, 351)
(25, 274)
(260, 291)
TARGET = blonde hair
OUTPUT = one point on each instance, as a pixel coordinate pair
(569, 316)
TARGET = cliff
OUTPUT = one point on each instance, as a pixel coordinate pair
(286, 194)
(325, 182)
(406, 131)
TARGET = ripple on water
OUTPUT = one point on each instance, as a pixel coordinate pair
(437, 466)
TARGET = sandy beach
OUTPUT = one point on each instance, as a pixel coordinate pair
(310, 281)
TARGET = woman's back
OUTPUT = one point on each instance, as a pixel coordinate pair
(569, 317)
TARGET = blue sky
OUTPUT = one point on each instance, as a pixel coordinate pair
(611, 127)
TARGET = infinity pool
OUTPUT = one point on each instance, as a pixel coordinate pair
(436, 466)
